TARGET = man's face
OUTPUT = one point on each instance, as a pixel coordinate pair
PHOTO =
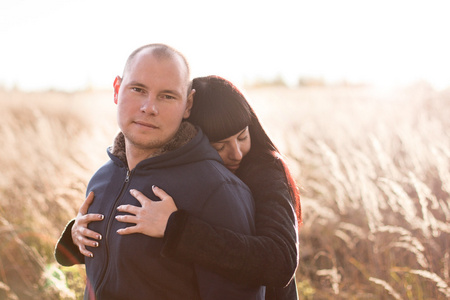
(152, 101)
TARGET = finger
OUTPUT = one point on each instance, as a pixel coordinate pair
(86, 252)
(128, 230)
(160, 193)
(129, 209)
(140, 197)
(85, 206)
(90, 233)
(87, 218)
(127, 219)
(166, 200)
(83, 242)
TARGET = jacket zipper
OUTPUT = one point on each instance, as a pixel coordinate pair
(108, 227)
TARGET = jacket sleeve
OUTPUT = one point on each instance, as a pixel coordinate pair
(268, 258)
(66, 252)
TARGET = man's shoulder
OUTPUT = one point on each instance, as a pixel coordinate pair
(208, 181)
(230, 204)
(106, 168)
(108, 172)
(214, 172)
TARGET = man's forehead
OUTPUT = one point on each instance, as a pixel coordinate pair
(150, 53)
(175, 62)
(141, 71)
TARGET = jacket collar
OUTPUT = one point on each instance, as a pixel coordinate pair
(185, 133)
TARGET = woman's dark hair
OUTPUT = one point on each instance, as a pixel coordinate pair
(221, 111)
(219, 108)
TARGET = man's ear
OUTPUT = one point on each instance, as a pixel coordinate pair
(189, 103)
(116, 86)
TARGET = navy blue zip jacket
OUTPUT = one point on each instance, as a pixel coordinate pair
(131, 266)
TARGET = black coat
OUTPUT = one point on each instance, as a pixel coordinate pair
(269, 258)
(130, 266)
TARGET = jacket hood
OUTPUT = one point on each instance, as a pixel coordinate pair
(189, 145)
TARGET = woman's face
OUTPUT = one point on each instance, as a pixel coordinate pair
(234, 148)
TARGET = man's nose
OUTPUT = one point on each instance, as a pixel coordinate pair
(149, 105)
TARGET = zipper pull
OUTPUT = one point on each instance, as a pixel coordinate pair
(128, 176)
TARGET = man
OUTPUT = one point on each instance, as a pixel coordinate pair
(156, 148)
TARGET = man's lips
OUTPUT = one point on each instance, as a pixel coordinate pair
(146, 124)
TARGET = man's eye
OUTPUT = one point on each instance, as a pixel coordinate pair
(168, 97)
(136, 89)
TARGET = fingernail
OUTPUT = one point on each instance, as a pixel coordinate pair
(153, 187)
(132, 191)
(91, 255)
(99, 237)
(95, 244)
(101, 217)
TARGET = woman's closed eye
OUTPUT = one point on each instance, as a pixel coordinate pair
(219, 147)
(243, 138)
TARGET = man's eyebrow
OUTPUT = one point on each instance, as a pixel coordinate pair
(138, 84)
(173, 92)
(168, 91)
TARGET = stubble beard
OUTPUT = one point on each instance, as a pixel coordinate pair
(141, 145)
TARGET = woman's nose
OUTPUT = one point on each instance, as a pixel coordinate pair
(235, 152)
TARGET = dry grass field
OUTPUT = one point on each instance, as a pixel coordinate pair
(373, 168)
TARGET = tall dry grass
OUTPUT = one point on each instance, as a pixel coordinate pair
(51, 144)
(374, 171)
(375, 175)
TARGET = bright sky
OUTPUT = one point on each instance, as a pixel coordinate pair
(69, 44)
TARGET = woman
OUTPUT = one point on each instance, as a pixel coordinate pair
(270, 257)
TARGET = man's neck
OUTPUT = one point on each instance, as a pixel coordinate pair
(132, 155)
(136, 155)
